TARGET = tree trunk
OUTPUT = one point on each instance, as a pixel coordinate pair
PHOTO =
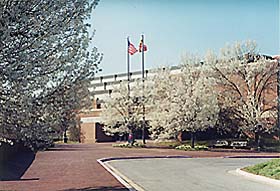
(143, 133)
(192, 139)
(257, 141)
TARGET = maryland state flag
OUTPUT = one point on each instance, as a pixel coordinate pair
(140, 46)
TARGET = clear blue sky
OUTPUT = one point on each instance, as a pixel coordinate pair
(172, 28)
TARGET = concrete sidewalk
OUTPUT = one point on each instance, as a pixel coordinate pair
(75, 167)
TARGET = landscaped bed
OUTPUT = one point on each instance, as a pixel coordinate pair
(128, 145)
(269, 169)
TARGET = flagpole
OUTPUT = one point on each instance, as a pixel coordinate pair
(143, 87)
(128, 81)
(128, 67)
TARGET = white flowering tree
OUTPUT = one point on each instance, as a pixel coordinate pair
(247, 86)
(44, 61)
(159, 105)
(183, 102)
(122, 112)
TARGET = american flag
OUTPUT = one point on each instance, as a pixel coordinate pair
(131, 48)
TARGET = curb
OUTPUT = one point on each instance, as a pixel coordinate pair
(128, 183)
(258, 178)
(120, 177)
(131, 186)
(253, 156)
(142, 157)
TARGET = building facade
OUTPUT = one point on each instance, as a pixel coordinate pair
(102, 86)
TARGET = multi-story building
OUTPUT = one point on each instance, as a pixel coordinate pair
(102, 86)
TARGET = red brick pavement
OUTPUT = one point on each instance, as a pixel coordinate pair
(74, 167)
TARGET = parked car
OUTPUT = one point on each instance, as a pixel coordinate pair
(239, 144)
(221, 144)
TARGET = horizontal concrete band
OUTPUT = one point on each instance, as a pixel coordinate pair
(91, 119)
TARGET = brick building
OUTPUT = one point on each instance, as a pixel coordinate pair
(102, 86)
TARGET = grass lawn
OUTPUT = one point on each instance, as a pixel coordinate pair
(269, 169)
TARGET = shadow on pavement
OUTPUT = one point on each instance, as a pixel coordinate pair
(66, 149)
(103, 188)
(70, 147)
(15, 167)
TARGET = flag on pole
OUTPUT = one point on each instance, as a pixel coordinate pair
(131, 48)
(140, 46)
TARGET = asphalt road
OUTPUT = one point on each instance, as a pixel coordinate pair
(194, 174)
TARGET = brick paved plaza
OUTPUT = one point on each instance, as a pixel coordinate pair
(74, 167)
